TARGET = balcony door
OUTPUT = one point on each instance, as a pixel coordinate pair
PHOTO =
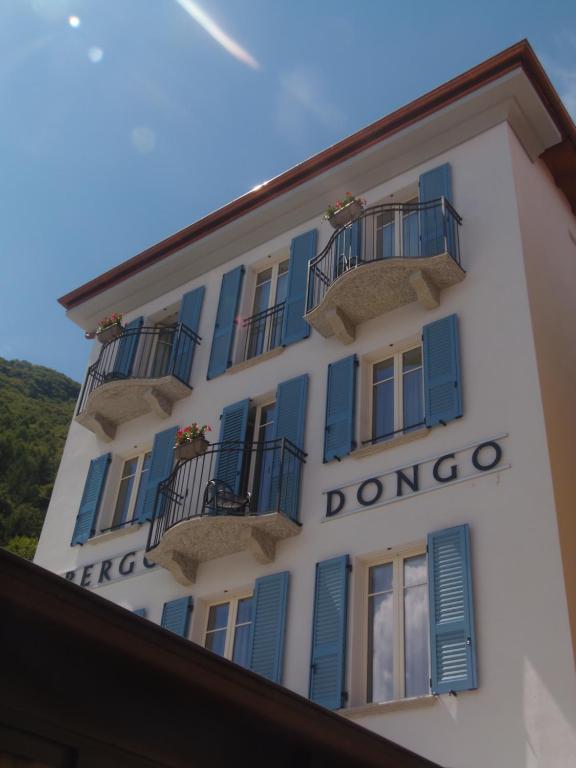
(164, 342)
(397, 233)
(265, 329)
(264, 457)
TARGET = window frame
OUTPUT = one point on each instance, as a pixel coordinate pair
(233, 601)
(138, 476)
(397, 557)
(395, 352)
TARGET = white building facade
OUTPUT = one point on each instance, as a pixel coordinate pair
(382, 519)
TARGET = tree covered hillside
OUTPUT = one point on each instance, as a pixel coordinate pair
(36, 405)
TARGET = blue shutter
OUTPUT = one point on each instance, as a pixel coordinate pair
(302, 249)
(161, 463)
(176, 615)
(127, 347)
(140, 612)
(452, 640)
(442, 384)
(184, 348)
(290, 423)
(267, 631)
(225, 328)
(328, 667)
(91, 498)
(340, 408)
(433, 185)
(233, 427)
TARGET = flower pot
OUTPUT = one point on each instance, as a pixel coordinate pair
(110, 333)
(346, 214)
(192, 449)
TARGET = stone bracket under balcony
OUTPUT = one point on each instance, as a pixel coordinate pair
(377, 287)
(121, 400)
(198, 539)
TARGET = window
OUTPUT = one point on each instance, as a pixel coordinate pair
(132, 490)
(264, 327)
(397, 394)
(397, 653)
(228, 629)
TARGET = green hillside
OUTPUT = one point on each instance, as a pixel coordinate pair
(36, 405)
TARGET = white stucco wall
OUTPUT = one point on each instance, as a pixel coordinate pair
(523, 713)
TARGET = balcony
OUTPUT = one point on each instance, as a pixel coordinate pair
(260, 338)
(145, 370)
(237, 497)
(390, 256)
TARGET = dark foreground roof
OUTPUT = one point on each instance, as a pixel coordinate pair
(85, 682)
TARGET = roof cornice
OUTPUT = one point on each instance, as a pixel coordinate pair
(520, 55)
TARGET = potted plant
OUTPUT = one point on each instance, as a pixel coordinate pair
(109, 328)
(344, 211)
(191, 441)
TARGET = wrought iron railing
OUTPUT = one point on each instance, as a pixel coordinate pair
(261, 333)
(231, 478)
(390, 231)
(143, 353)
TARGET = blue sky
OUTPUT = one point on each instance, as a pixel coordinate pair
(134, 118)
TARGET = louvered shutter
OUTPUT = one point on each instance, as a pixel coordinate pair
(91, 498)
(225, 328)
(140, 612)
(442, 381)
(268, 626)
(185, 347)
(433, 185)
(302, 249)
(176, 615)
(329, 629)
(340, 408)
(161, 463)
(127, 348)
(291, 400)
(452, 639)
(230, 458)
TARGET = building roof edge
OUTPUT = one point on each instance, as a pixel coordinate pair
(521, 55)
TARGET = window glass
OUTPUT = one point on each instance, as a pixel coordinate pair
(125, 492)
(416, 654)
(282, 283)
(262, 294)
(412, 391)
(385, 235)
(143, 482)
(381, 635)
(410, 239)
(242, 631)
(383, 400)
(217, 628)
(264, 458)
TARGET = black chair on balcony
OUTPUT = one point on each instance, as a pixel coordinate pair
(220, 499)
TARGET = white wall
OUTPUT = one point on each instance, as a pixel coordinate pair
(523, 711)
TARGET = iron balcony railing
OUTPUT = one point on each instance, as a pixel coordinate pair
(231, 478)
(390, 231)
(261, 333)
(143, 353)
